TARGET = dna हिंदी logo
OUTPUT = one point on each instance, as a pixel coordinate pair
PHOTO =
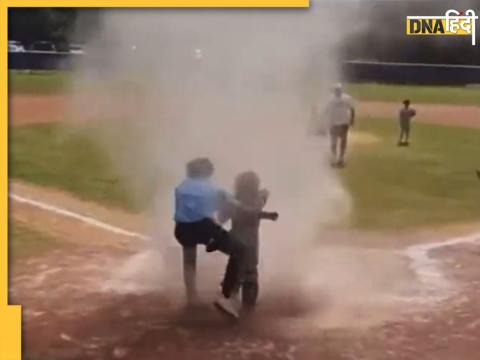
(460, 23)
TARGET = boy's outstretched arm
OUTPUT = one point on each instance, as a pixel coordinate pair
(268, 215)
(229, 202)
(228, 205)
(225, 208)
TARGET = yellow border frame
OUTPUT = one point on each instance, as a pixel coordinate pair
(10, 315)
(159, 3)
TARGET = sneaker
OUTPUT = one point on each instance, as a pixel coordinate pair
(227, 306)
(341, 164)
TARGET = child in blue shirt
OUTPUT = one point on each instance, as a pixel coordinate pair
(196, 202)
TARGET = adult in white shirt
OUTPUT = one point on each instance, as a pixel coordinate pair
(340, 112)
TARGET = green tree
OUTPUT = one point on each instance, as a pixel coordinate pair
(32, 24)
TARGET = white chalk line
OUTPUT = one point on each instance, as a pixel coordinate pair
(427, 268)
(76, 216)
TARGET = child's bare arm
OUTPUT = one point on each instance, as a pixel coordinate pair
(251, 211)
(229, 206)
(268, 215)
(238, 206)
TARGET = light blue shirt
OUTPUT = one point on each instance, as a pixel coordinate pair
(196, 199)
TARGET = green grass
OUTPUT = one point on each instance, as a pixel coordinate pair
(57, 82)
(24, 241)
(431, 182)
(39, 83)
(417, 94)
(51, 155)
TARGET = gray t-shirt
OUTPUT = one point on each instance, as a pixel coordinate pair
(406, 115)
(246, 223)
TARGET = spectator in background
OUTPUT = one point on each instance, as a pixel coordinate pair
(340, 113)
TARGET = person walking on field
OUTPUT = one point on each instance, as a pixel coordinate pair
(340, 112)
(406, 115)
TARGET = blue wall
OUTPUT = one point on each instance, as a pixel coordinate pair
(402, 73)
(41, 60)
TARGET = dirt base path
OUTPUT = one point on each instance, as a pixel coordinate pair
(451, 115)
(26, 110)
(32, 109)
(68, 228)
(72, 310)
(68, 316)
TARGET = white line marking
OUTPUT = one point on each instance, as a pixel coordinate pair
(426, 267)
(83, 218)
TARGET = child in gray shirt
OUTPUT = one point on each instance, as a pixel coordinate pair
(405, 117)
(245, 227)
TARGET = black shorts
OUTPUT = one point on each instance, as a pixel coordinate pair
(198, 233)
(339, 130)
(405, 124)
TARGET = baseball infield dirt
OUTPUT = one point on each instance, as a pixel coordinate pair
(451, 115)
(37, 109)
(70, 313)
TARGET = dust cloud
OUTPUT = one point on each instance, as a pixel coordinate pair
(161, 87)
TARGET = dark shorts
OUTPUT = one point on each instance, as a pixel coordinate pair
(405, 124)
(203, 232)
(197, 233)
(207, 232)
(339, 130)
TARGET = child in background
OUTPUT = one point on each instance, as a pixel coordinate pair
(405, 117)
(245, 227)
